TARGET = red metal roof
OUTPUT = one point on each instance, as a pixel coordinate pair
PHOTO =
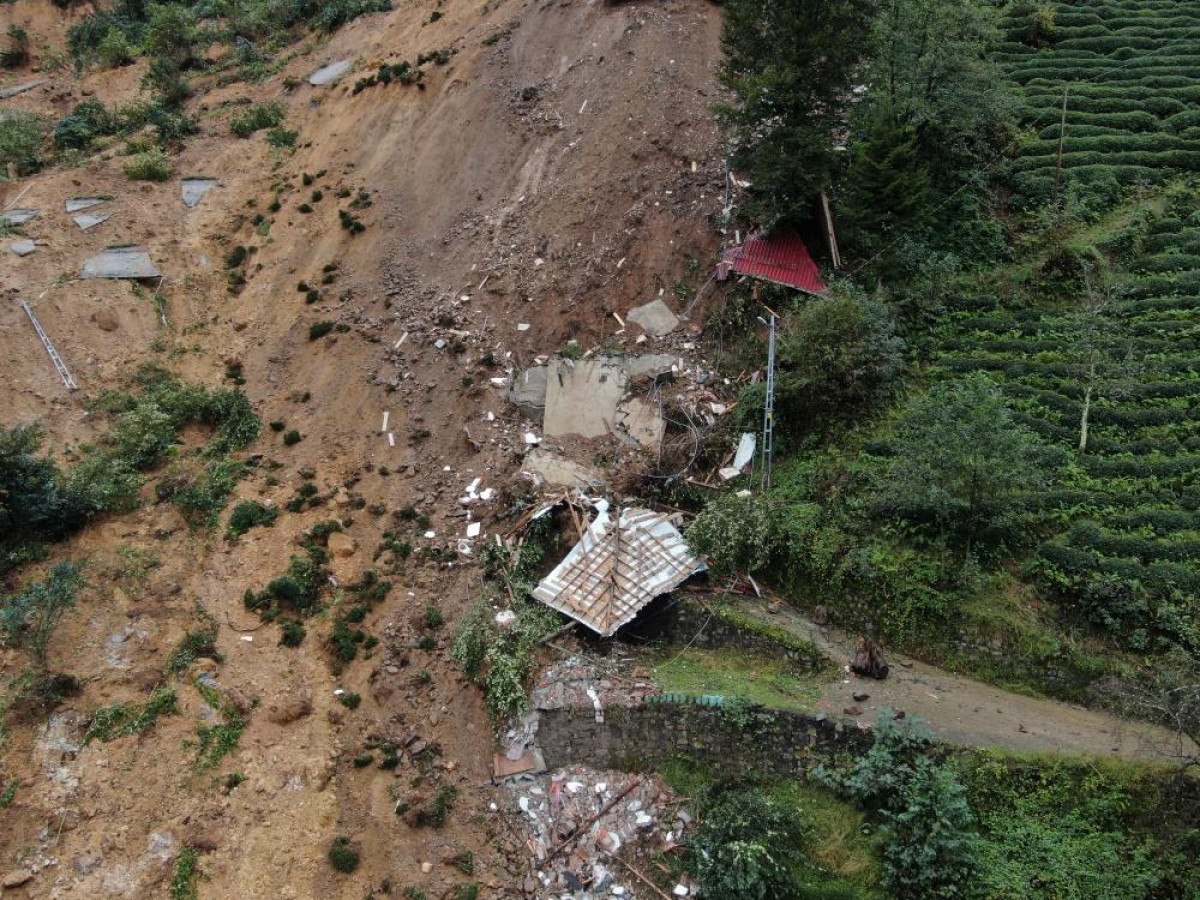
(781, 258)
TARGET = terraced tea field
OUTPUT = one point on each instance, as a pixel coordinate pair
(1131, 69)
(1129, 504)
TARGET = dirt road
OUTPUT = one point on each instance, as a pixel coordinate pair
(964, 711)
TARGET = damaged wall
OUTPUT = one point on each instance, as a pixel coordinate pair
(774, 742)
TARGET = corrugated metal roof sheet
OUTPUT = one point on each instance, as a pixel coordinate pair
(615, 570)
(781, 258)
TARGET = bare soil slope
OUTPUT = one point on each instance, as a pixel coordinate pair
(563, 172)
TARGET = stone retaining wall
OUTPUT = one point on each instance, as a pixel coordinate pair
(730, 739)
(683, 621)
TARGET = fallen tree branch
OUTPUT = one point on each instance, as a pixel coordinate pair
(578, 832)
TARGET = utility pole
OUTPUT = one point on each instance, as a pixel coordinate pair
(1062, 137)
(768, 436)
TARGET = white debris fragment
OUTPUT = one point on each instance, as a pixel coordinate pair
(505, 617)
(473, 529)
(383, 427)
(391, 439)
(680, 890)
(430, 535)
(522, 326)
(532, 439)
(248, 638)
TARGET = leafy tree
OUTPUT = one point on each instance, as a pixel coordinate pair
(839, 355)
(961, 459)
(28, 618)
(791, 67)
(928, 839)
(888, 184)
(747, 846)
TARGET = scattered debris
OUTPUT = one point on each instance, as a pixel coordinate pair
(582, 396)
(192, 189)
(741, 457)
(121, 262)
(868, 661)
(617, 568)
(330, 73)
(655, 318)
(579, 820)
(780, 258)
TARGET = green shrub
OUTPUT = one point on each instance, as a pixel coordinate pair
(193, 646)
(115, 49)
(342, 855)
(256, 118)
(153, 165)
(292, 437)
(29, 617)
(350, 700)
(282, 137)
(433, 617)
(291, 634)
(318, 330)
(22, 141)
(249, 514)
(87, 121)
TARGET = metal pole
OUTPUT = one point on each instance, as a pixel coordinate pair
(769, 409)
(49, 345)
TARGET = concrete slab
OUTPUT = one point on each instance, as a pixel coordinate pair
(528, 391)
(558, 471)
(640, 419)
(77, 204)
(655, 318)
(329, 74)
(22, 248)
(121, 262)
(91, 220)
(582, 396)
(7, 92)
(18, 216)
(192, 189)
(652, 365)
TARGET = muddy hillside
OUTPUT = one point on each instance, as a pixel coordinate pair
(374, 285)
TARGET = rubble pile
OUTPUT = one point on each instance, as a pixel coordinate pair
(594, 834)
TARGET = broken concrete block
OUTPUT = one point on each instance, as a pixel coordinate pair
(329, 74)
(78, 204)
(651, 365)
(21, 88)
(22, 247)
(17, 216)
(655, 318)
(528, 391)
(641, 420)
(91, 220)
(192, 189)
(582, 396)
(550, 468)
(121, 262)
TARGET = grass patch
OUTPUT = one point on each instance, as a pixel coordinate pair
(773, 683)
(187, 873)
(122, 719)
(153, 165)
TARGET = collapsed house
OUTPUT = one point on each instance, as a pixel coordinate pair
(619, 565)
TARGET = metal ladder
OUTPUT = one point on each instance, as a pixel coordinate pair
(768, 443)
(63, 372)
